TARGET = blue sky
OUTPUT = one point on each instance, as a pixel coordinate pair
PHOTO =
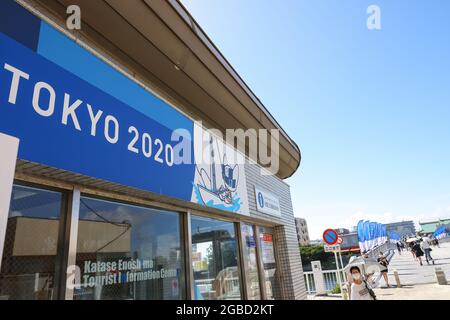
(370, 109)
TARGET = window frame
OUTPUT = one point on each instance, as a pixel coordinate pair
(237, 234)
(68, 231)
(277, 262)
(76, 201)
(59, 274)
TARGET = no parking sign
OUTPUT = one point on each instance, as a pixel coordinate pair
(330, 237)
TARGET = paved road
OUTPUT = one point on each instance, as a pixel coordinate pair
(410, 271)
(430, 291)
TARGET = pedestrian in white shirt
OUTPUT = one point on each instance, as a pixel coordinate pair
(359, 289)
(425, 245)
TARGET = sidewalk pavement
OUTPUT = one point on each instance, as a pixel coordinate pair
(417, 292)
(410, 271)
(431, 291)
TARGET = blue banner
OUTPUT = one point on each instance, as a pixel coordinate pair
(440, 232)
(73, 111)
(394, 237)
(370, 234)
(359, 229)
(66, 123)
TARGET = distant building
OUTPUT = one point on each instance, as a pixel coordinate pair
(403, 228)
(341, 231)
(349, 242)
(302, 231)
(430, 226)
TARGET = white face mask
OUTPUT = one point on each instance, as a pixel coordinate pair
(356, 276)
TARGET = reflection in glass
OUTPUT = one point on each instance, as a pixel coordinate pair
(268, 258)
(128, 252)
(250, 262)
(214, 260)
(31, 245)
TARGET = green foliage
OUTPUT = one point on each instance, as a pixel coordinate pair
(311, 250)
(336, 289)
(316, 252)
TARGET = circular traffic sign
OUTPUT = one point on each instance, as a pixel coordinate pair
(330, 237)
(340, 240)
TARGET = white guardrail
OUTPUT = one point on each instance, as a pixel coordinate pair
(331, 276)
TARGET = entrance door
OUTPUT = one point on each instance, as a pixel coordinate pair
(267, 252)
(215, 260)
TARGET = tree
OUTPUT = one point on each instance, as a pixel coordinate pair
(316, 252)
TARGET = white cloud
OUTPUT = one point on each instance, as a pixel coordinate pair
(441, 213)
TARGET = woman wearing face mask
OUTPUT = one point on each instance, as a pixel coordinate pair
(359, 290)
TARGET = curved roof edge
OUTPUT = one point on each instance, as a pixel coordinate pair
(159, 44)
(197, 29)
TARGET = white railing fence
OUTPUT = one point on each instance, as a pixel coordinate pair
(330, 278)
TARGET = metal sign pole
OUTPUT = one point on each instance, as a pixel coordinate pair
(337, 270)
(342, 265)
(342, 274)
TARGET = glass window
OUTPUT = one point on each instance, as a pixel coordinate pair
(128, 252)
(268, 258)
(214, 259)
(30, 254)
(250, 262)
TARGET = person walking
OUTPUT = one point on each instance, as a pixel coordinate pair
(410, 246)
(417, 250)
(399, 248)
(425, 246)
(359, 288)
(384, 267)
